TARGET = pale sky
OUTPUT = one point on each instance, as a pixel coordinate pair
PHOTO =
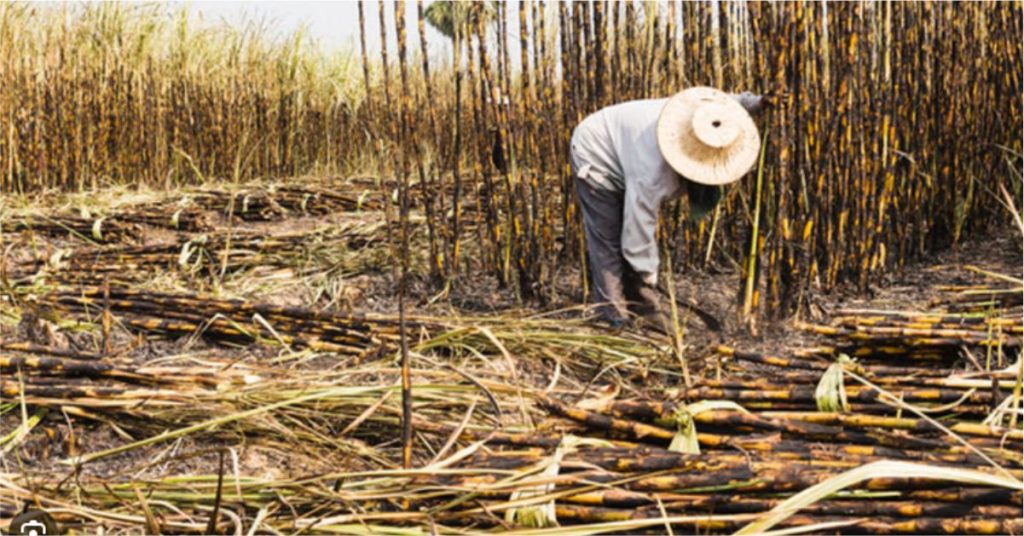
(333, 23)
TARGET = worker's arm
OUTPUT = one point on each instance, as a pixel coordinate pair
(639, 225)
(751, 102)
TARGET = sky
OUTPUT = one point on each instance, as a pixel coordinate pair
(335, 24)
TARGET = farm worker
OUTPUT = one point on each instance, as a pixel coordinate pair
(629, 158)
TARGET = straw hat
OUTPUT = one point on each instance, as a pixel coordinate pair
(707, 136)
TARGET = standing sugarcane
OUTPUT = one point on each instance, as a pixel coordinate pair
(366, 62)
(389, 131)
(403, 214)
(433, 185)
(449, 18)
(859, 178)
(485, 116)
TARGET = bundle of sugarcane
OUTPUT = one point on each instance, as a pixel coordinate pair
(819, 360)
(509, 485)
(96, 263)
(909, 381)
(118, 225)
(63, 373)
(206, 253)
(303, 199)
(807, 370)
(97, 230)
(594, 482)
(856, 518)
(278, 201)
(969, 397)
(177, 217)
(647, 469)
(790, 384)
(854, 436)
(764, 439)
(944, 336)
(470, 184)
(982, 323)
(938, 503)
(903, 342)
(226, 320)
(981, 298)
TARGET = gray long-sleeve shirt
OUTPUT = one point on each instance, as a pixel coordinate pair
(616, 148)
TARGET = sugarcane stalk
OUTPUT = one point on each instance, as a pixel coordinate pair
(915, 425)
(878, 525)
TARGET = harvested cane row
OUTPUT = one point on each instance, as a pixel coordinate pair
(275, 202)
(202, 253)
(711, 458)
(190, 212)
(91, 229)
(121, 226)
(627, 474)
(578, 490)
(335, 415)
(754, 459)
(909, 339)
(776, 425)
(598, 481)
(947, 362)
(622, 461)
(236, 321)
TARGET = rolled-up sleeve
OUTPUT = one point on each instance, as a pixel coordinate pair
(639, 228)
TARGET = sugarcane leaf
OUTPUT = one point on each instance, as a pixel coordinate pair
(714, 405)
(543, 515)
(20, 433)
(882, 469)
(830, 394)
(685, 440)
(55, 259)
(96, 229)
(185, 254)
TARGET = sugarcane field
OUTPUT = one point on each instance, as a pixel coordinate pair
(535, 267)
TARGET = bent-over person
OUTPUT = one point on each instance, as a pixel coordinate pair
(628, 159)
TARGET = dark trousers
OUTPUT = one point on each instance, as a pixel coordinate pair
(614, 285)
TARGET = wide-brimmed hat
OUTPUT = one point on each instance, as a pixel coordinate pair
(707, 136)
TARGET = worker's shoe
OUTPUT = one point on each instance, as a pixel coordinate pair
(648, 308)
(610, 317)
(648, 300)
(657, 321)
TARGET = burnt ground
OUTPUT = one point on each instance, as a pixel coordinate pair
(369, 287)
(916, 287)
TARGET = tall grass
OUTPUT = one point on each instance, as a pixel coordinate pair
(115, 92)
